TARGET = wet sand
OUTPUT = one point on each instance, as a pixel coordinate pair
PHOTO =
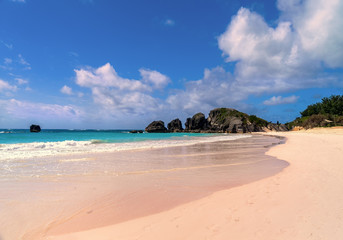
(66, 194)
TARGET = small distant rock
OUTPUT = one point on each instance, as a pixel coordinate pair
(35, 128)
(156, 127)
(175, 126)
(136, 131)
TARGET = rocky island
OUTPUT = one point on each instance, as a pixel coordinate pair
(219, 120)
(35, 128)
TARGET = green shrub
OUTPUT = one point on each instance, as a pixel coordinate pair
(332, 105)
(258, 121)
(317, 120)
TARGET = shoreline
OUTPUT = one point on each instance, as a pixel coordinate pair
(67, 148)
(174, 176)
(301, 202)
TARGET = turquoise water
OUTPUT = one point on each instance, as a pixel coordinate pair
(10, 136)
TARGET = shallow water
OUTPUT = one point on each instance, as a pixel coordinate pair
(85, 191)
(24, 145)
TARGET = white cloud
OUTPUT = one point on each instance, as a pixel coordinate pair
(21, 81)
(7, 45)
(281, 100)
(290, 55)
(8, 61)
(319, 26)
(106, 76)
(40, 112)
(157, 79)
(23, 62)
(169, 22)
(66, 90)
(213, 90)
(6, 86)
(73, 54)
(121, 95)
(21, 1)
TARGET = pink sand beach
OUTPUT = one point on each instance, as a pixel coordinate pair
(292, 191)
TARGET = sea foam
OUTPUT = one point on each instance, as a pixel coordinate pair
(41, 149)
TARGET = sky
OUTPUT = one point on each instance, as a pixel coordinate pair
(108, 64)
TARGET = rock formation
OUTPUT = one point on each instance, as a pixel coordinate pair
(232, 121)
(175, 126)
(226, 120)
(196, 123)
(156, 127)
(136, 131)
(220, 120)
(35, 128)
(276, 127)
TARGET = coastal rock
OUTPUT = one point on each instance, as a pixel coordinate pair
(197, 122)
(228, 120)
(235, 126)
(175, 126)
(136, 131)
(222, 120)
(156, 127)
(277, 127)
(35, 128)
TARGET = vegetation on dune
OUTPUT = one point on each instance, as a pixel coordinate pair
(329, 106)
(327, 113)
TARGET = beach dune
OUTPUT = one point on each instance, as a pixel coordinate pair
(304, 201)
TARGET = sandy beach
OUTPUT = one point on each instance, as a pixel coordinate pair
(304, 201)
(63, 194)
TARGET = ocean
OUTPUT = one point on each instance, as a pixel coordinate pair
(9, 136)
(21, 143)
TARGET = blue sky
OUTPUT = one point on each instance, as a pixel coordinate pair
(121, 64)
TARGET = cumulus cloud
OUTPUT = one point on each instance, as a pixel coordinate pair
(117, 94)
(106, 76)
(157, 79)
(213, 90)
(281, 100)
(289, 55)
(66, 90)
(318, 24)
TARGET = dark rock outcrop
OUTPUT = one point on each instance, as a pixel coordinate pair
(156, 127)
(225, 120)
(35, 128)
(136, 131)
(229, 120)
(175, 126)
(220, 120)
(197, 122)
